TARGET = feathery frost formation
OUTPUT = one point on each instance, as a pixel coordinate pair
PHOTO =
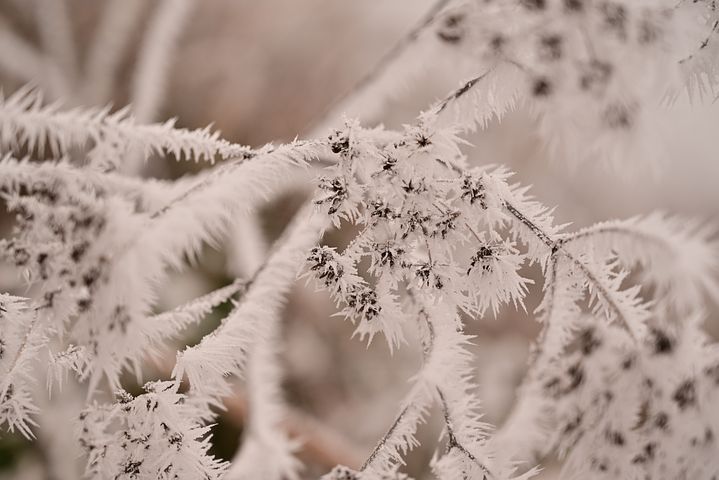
(594, 72)
(621, 380)
(434, 229)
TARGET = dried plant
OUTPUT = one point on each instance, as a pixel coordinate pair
(622, 380)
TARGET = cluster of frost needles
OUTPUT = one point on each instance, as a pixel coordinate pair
(622, 381)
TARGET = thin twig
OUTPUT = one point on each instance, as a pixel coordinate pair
(382, 441)
(452, 441)
(385, 62)
(557, 246)
(200, 185)
(427, 350)
(704, 43)
(457, 94)
(538, 351)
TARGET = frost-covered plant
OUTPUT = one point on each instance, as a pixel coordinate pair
(440, 235)
(621, 381)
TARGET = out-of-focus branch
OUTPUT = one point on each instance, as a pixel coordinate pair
(398, 49)
(458, 93)
(156, 53)
(380, 69)
(17, 56)
(108, 49)
(153, 67)
(56, 34)
(320, 445)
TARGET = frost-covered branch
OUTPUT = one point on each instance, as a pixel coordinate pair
(20, 341)
(224, 351)
(158, 434)
(26, 122)
(622, 378)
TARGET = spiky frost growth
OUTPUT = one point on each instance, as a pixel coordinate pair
(264, 437)
(451, 232)
(422, 223)
(158, 434)
(224, 351)
(627, 411)
(437, 230)
(594, 72)
(468, 451)
(445, 380)
(681, 281)
(621, 380)
(248, 335)
(626, 369)
(169, 323)
(20, 341)
(26, 122)
(80, 238)
(87, 245)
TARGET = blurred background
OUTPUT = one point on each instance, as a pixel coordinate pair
(269, 71)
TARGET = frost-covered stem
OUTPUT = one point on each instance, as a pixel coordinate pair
(247, 246)
(385, 438)
(153, 68)
(414, 395)
(590, 275)
(226, 169)
(452, 441)
(264, 436)
(539, 357)
(704, 43)
(27, 351)
(536, 230)
(214, 297)
(149, 194)
(196, 187)
(223, 352)
(166, 324)
(616, 229)
(458, 93)
(551, 279)
(536, 361)
(557, 246)
(18, 356)
(408, 400)
(25, 120)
